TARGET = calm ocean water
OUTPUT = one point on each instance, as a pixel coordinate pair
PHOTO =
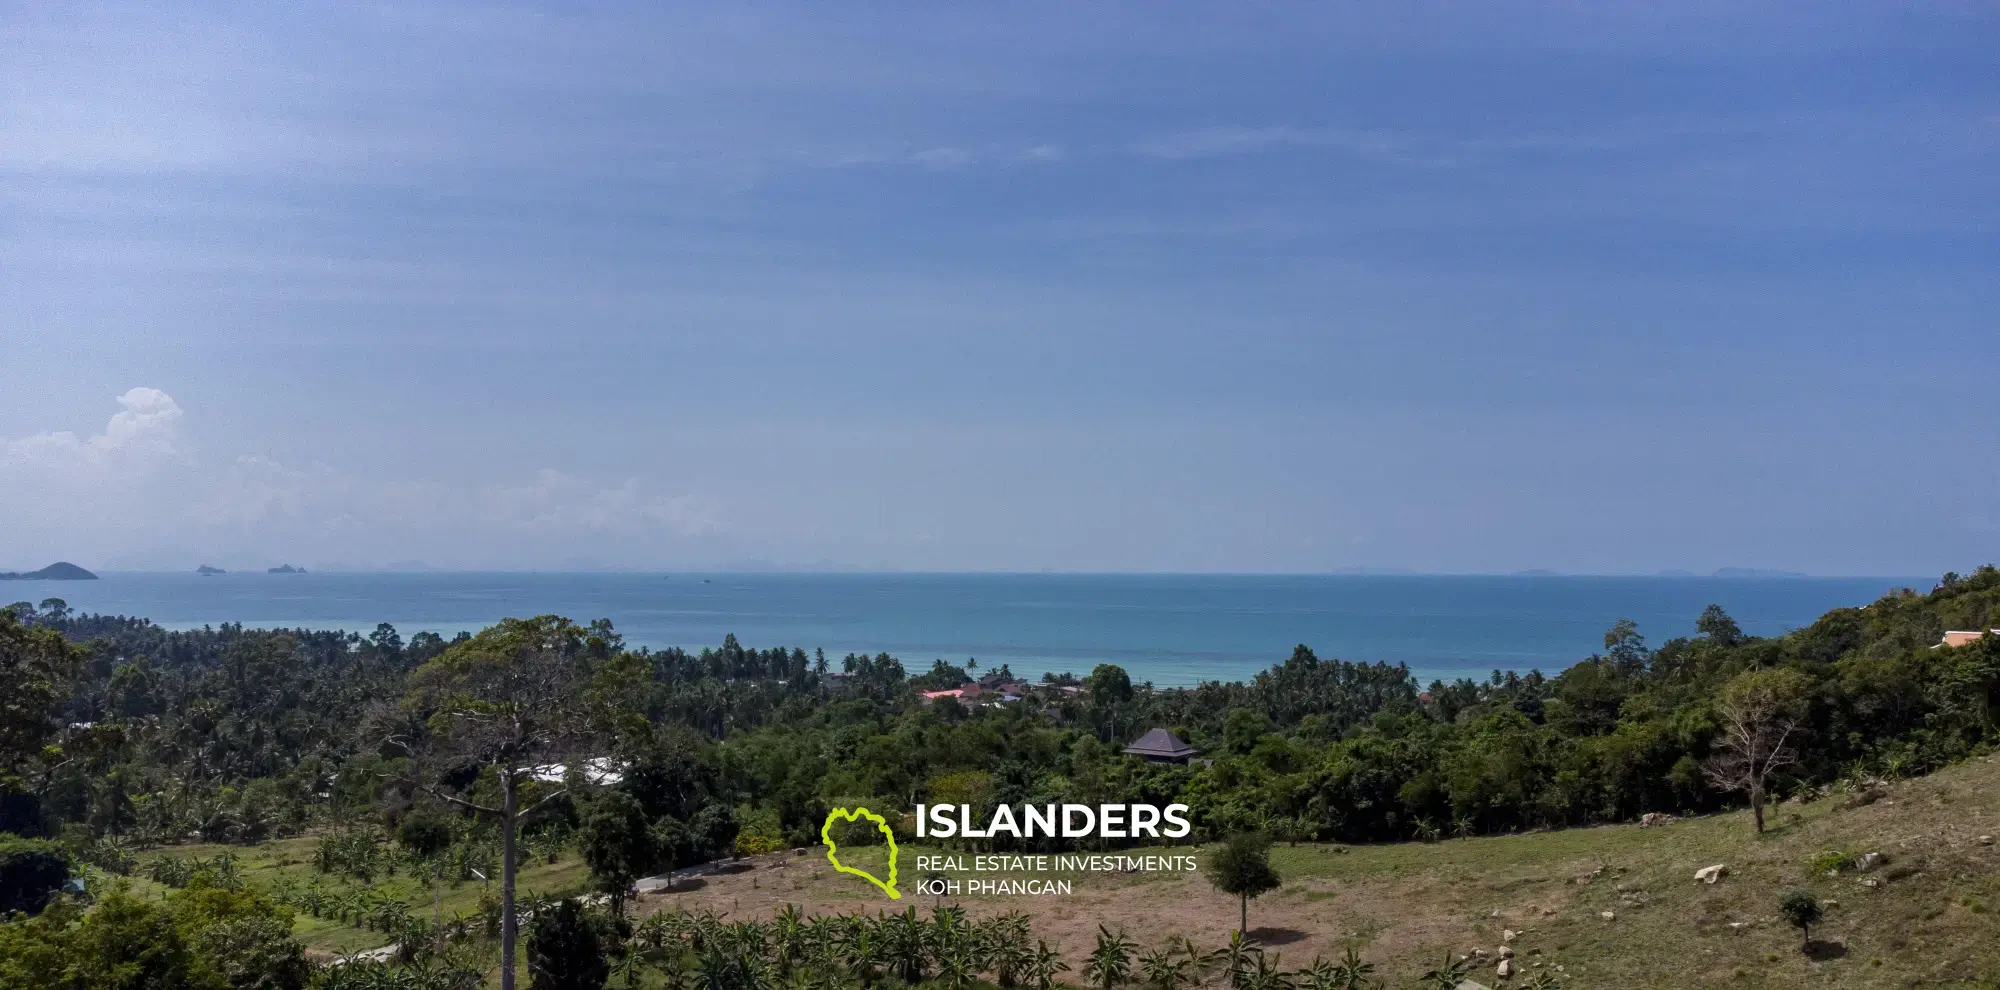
(1166, 629)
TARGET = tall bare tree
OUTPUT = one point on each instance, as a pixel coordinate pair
(1760, 713)
(516, 700)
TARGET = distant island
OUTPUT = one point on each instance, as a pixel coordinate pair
(205, 570)
(284, 569)
(61, 570)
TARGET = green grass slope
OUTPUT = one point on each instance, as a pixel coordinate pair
(1929, 916)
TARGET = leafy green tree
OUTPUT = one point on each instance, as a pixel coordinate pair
(200, 938)
(31, 872)
(617, 845)
(255, 952)
(1803, 910)
(714, 830)
(1108, 687)
(566, 950)
(665, 772)
(427, 836)
(672, 844)
(36, 665)
(521, 696)
(1718, 628)
(1241, 865)
(126, 942)
(1625, 648)
(1242, 728)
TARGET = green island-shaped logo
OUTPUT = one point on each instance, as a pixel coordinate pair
(833, 850)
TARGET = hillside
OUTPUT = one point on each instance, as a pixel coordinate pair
(1921, 919)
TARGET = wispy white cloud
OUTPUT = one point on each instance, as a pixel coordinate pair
(1215, 142)
(139, 489)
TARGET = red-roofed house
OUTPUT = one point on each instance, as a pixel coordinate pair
(1963, 637)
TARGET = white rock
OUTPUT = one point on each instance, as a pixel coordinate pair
(1506, 952)
(1505, 969)
(1985, 840)
(1608, 915)
(1709, 874)
(1508, 934)
(1870, 882)
(1869, 861)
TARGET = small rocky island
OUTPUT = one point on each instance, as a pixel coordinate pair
(208, 571)
(61, 570)
(284, 569)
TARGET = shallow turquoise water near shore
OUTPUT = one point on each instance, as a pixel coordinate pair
(1175, 629)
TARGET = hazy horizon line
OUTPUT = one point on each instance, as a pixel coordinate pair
(1723, 573)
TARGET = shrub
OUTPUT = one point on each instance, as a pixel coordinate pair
(565, 951)
(1803, 910)
(31, 872)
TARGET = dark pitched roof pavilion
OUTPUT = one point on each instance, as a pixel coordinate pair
(1159, 744)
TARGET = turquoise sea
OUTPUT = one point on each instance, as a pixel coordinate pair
(1166, 629)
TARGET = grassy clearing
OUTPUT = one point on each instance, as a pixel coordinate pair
(1929, 918)
(271, 865)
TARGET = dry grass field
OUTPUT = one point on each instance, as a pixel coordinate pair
(1926, 917)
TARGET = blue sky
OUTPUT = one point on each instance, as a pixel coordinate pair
(1142, 287)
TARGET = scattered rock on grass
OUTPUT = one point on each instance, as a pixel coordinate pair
(1608, 915)
(1709, 874)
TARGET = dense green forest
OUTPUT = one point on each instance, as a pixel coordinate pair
(118, 736)
(235, 734)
